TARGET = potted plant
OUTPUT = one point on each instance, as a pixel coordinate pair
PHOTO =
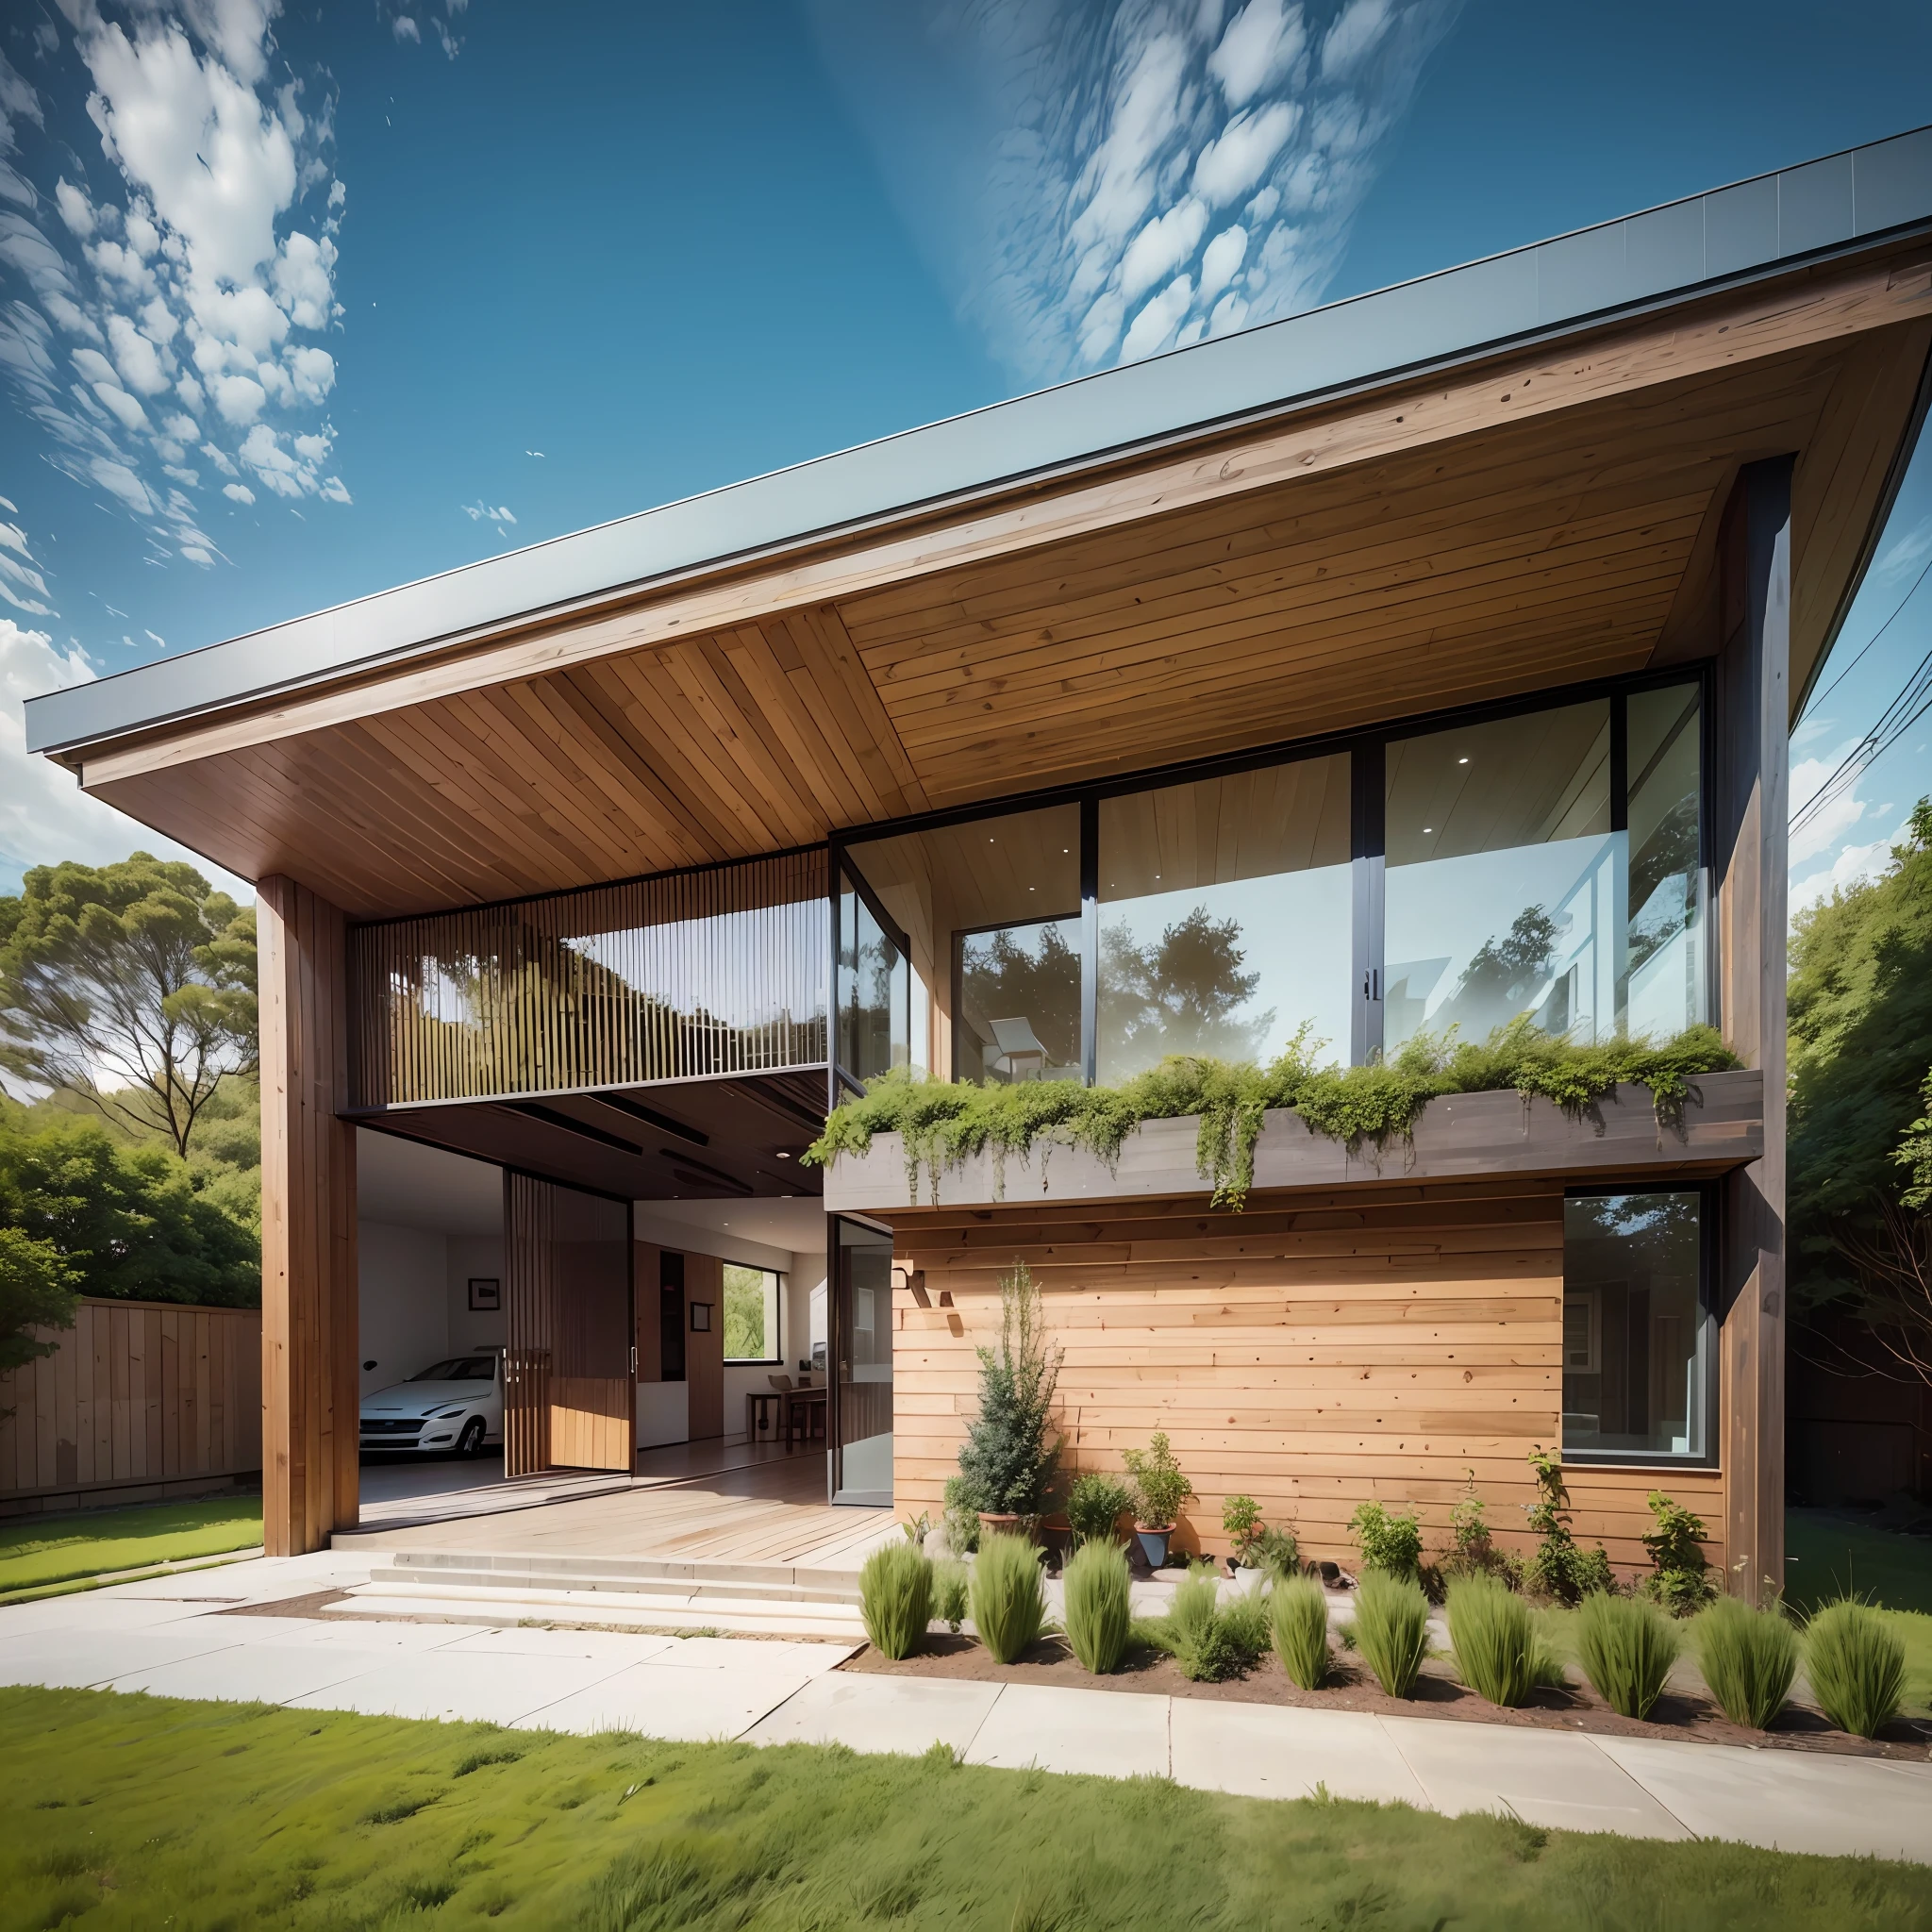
(1160, 1489)
(1241, 1518)
(1008, 1465)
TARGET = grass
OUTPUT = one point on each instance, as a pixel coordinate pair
(1391, 1630)
(38, 1551)
(1626, 1647)
(1837, 1556)
(895, 1598)
(1008, 1596)
(1099, 1614)
(139, 1812)
(1857, 1667)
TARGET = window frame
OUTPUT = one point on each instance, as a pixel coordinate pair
(1366, 749)
(1704, 1362)
(776, 1358)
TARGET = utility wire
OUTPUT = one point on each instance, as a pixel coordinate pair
(1898, 717)
(1820, 696)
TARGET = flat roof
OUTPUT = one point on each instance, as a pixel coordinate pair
(1727, 236)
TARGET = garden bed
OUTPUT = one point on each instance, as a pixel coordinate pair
(1687, 1716)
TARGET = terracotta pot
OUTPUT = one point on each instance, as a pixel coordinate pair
(1000, 1523)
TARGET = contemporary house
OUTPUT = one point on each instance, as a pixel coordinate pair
(1425, 659)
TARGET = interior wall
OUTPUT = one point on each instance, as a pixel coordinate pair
(1315, 1352)
(402, 1303)
(481, 1256)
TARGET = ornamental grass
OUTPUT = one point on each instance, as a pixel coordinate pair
(1493, 1634)
(895, 1598)
(1299, 1625)
(1099, 1614)
(1857, 1667)
(1748, 1658)
(1391, 1630)
(1008, 1596)
(1626, 1647)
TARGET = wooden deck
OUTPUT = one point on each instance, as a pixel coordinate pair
(744, 1503)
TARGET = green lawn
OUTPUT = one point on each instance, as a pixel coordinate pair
(139, 1812)
(40, 1549)
(1836, 1553)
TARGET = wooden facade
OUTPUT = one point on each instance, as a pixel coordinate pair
(1315, 1352)
(139, 1401)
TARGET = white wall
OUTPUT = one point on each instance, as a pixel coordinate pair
(480, 1254)
(403, 1301)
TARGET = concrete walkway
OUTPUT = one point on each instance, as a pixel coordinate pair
(193, 1636)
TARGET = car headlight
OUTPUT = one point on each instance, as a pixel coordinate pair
(443, 1415)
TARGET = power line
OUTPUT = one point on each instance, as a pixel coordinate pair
(1874, 638)
(1898, 717)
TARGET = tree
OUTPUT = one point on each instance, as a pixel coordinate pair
(1860, 1171)
(1007, 1463)
(126, 1222)
(132, 985)
(1181, 993)
(36, 1292)
(1502, 975)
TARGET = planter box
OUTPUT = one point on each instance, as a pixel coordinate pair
(1459, 1135)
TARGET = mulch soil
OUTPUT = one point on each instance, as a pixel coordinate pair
(1682, 1715)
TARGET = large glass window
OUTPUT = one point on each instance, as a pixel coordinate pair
(991, 912)
(1635, 1334)
(1225, 916)
(1504, 878)
(874, 1018)
(1667, 971)
(751, 1314)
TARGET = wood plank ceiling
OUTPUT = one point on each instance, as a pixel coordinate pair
(1562, 546)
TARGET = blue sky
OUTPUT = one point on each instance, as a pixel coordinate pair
(295, 304)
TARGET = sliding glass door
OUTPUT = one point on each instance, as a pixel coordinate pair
(860, 1261)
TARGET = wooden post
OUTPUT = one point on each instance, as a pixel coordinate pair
(1749, 857)
(309, 1396)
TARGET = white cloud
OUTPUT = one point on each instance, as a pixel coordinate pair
(1060, 163)
(1261, 45)
(405, 28)
(239, 492)
(1853, 866)
(192, 261)
(1833, 819)
(1231, 165)
(1154, 327)
(480, 512)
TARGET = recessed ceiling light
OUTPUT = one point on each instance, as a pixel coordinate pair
(1429, 828)
(783, 1155)
(1462, 761)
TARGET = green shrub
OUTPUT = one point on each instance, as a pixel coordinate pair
(1277, 1552)
(1679, 1578)
(1159, 1487)
(895, 1598)
(1558, 1568)
(1391, 1629)
(1626, 1647)
(1208, 1640)
(1388, 1541)
(1099, 1612)
(961, 1516)
(949, 1593)
(1007, 1461)
(1008, 1596)
(1857, 1667)
(1299, 1617)
(1095, 1503)
(1748, 1658)
(1240, 1520)
(1495, 1637)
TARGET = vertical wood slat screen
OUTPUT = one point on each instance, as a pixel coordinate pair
(136, 1394)
(529, 1308)
(665, 979)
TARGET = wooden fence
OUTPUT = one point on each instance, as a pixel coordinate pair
(140, 1400)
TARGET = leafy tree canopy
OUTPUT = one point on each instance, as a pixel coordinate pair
(1860, 1047)
(132, 985)
(36, 1292)
(124, 1223)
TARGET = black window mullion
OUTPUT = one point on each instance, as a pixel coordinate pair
(1090, 939)
(1367, 848)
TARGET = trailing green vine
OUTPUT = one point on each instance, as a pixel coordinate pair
(946, 1123)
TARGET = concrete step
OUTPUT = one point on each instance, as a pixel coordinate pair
(667, 1609)
(472, 1570)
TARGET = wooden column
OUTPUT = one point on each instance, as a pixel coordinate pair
(309, 1398)
(1750, 861)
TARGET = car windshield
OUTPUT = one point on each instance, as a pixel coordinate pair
(462, 1368)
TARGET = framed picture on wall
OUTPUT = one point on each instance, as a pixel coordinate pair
(701, 1318)
(486, 1295)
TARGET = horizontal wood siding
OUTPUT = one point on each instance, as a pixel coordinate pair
(1314, 1352)
(136, 1394)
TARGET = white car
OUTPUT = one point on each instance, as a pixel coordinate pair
(452, 1408)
